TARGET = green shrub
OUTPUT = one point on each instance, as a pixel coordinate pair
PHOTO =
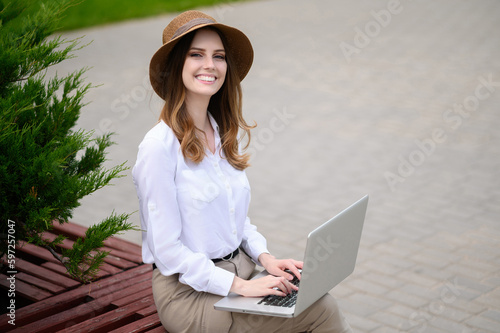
(46, 165)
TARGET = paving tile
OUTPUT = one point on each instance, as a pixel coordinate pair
(386, 329)
(403, 297)
(437, 274)
(427, 329)
(471, 307)
(415, 277)
(491, 299)
(364, 286)
(342, 291)
(384, 280)
(455, 315)
(447, 325)
(391, 320)
(483, 324)
(361, 324)
(349, 306)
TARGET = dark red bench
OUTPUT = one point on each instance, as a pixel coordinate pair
(120, 300)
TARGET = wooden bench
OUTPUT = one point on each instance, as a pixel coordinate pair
(119, 300)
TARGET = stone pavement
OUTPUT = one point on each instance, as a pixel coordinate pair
(395, 99)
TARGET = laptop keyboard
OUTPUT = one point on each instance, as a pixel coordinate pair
(284, 301)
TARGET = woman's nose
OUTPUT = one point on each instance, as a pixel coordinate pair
(209, 63)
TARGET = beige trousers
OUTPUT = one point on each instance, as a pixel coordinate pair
(184, 310)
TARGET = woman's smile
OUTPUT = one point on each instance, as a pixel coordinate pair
(206, 78)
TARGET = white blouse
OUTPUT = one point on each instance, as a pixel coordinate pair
(191, 213)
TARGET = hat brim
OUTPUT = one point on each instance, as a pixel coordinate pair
(239, 46)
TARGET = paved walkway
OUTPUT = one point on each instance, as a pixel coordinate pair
(396, 99)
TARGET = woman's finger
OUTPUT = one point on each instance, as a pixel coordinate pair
(288, 287)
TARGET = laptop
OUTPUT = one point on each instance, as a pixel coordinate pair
(330, 257)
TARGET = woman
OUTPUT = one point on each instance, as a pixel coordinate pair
(194, 194)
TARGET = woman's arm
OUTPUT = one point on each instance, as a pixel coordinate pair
(154, 175)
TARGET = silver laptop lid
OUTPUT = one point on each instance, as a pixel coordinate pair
(333, 244)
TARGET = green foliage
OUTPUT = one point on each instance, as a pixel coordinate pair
(46, 165)
(83, 257)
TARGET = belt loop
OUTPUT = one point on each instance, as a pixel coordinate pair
(228, 257)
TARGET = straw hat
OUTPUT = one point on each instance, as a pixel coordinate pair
(239, 45)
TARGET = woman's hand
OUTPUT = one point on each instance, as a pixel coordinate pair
(277, 283)
(267, 285)
(277, 267)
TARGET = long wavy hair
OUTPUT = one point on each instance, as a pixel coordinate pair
(225, 106)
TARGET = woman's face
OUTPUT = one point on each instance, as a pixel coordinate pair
(205, 66)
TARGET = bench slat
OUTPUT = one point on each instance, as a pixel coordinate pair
(142, 325)
(159, 329)
(35, 251)
(133, 257)
(110, 320)
(45, 255)
(59, 268)
(147, 311)
(24, 289)
(123, 285)
(145, 292)
(44, 274)
(60, 320)
(50, 287)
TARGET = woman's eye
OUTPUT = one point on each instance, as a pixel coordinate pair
(220, 57)
(195, 55)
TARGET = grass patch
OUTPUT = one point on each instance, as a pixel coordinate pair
(97, 12)
(88, 13)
